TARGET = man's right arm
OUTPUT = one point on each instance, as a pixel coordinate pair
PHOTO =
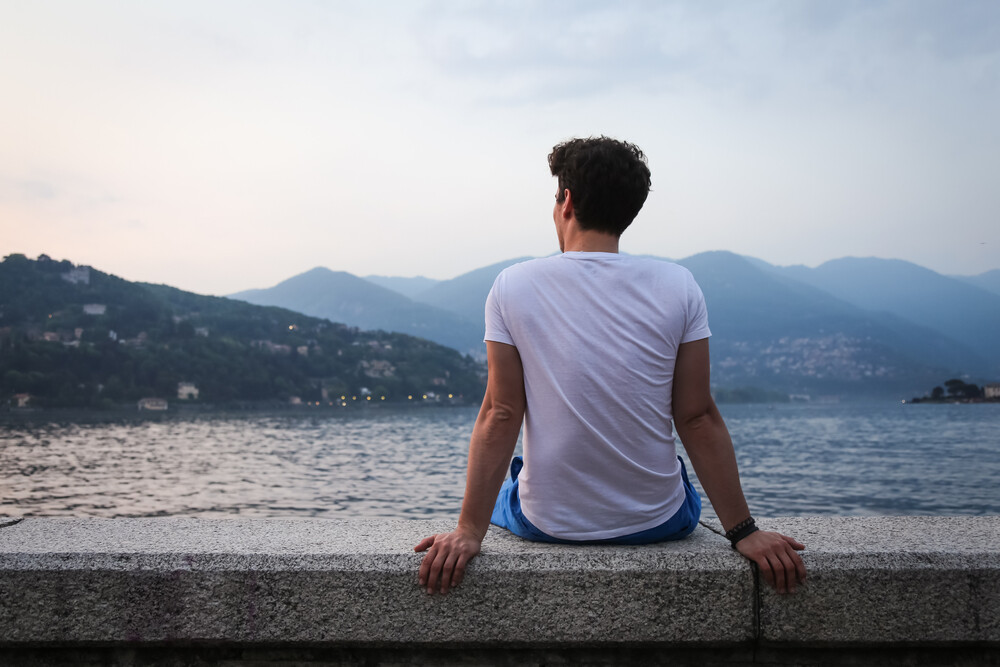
(707, 442)
(493, 440)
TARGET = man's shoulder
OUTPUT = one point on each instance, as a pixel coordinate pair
(654, 263)
(530, 267)
(659, 267)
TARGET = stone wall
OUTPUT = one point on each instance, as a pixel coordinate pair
(270, 591)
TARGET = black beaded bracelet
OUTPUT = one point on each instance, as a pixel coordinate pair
(741, 530)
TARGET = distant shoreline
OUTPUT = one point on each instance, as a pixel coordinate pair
(953, 401)
(125, 413)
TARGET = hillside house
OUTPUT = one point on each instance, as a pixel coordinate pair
(152, 404)
(79, 274)
(377, 368)
(273, 348)
(94, 308)
(991, 390)
(22, 400)
(187, 391)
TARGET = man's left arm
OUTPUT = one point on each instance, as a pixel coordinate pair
(493, 440)
(706, 440)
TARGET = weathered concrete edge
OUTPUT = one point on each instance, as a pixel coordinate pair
(872, 581)
(888, 580)
(316, 581)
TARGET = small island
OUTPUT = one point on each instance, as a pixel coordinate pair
(959, 391)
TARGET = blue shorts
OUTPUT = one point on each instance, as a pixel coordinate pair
(507, 514)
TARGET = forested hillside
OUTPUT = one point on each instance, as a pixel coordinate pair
(74, 336)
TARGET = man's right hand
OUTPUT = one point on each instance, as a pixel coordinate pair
(447, 555)
(775, 556)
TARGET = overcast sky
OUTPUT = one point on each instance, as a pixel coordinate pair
(220, 146)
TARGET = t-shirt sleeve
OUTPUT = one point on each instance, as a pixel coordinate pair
(496, 328)
(697, 314)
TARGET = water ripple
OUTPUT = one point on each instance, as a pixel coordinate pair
(794, 460)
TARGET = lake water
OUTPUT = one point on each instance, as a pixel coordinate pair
(847, 459)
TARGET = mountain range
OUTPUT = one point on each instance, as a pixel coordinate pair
(849, 327)
(339, 296)
(989, 281)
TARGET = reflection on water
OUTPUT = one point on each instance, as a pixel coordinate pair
(795, 460)
(860, 459)
(365, 463)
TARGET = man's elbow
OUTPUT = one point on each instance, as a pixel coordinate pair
(500, 414)
(696, 419)
(500, 419)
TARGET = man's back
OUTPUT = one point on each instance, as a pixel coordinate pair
(597, 354)
(597, 333)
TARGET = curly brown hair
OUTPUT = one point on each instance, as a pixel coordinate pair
(609, 181)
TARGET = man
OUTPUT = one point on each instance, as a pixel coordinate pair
(601, 355)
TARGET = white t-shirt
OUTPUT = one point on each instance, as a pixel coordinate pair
(597, 334)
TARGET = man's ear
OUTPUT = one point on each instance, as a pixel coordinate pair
(567, 205)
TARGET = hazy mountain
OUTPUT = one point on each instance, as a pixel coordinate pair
(408, 287)
(962, 312)
(989, 281)
(466, 294)
(772, 331)
(343, 297)
(788, 329)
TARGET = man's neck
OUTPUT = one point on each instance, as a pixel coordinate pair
(590, 241)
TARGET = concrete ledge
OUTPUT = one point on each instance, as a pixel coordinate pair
(890, 580)
(873, 582)
(152, 580)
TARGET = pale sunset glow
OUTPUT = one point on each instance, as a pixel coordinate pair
(224, 146)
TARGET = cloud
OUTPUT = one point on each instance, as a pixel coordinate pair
(552, 51)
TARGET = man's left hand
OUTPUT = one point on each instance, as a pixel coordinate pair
(447, 555)
(775, 555)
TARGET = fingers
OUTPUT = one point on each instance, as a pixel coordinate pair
(766, 570)
(425, 543)
(775, 555)
(446, 572)
(794, 567)
(428, 560)
(787, 574)
(425, 567)
(795, 544)
(782, 569)
(443, 564)
(463, 559)
(800, 567)
(434, 562)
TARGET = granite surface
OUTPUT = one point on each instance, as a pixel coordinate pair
(873, 581)
(240, 580)
(889, 579)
